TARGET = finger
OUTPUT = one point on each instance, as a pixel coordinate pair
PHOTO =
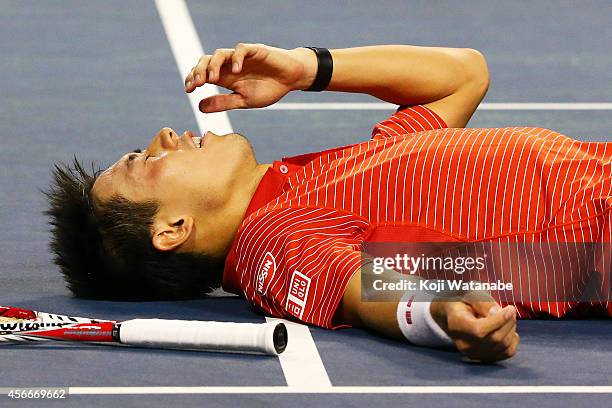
(511, 351)
(461, 320)
(482, 302)
(189, 79)
(216, 62)
(463, 323)
(197, 75)
(240, 52)
(220, 103)
(489, 355)
(502, 339)
(491, 349)
(199, 71)
(489, 324)
(512, 347)
(486, 308)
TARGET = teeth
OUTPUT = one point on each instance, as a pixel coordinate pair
(197, 141)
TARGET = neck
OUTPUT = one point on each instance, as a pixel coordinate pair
(216, 237)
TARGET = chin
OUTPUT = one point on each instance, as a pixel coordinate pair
(246, 147)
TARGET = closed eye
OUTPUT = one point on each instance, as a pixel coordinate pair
(134, 154)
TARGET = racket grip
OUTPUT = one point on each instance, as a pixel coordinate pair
(269, 338)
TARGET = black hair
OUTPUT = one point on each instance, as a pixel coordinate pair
(104, 251)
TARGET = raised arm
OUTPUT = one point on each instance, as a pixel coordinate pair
(450, 81)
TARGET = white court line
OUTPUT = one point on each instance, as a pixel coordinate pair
(301, 362)
(187, 49)
(489, 389)
(483, 106)
(303, 366)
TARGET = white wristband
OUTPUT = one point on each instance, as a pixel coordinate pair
(416, 322)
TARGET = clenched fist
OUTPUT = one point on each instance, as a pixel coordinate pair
(480, 328)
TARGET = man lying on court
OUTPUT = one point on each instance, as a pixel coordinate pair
(186, 215)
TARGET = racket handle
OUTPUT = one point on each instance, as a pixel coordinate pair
(269, 338)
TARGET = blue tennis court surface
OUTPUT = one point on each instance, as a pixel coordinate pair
(99, 78)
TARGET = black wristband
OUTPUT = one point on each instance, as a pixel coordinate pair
(325, 68)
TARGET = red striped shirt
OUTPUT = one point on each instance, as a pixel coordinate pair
(300, 241)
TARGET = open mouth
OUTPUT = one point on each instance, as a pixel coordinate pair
(197, 141)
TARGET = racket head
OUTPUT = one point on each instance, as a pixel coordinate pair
(11, 314)
(19, 325)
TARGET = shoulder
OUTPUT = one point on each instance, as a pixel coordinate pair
(291, 261)
(408, 119)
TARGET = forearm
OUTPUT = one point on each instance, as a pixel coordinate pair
(449, 81)
(381, 317)
(472, 322)
(400, 74)
(365, 306)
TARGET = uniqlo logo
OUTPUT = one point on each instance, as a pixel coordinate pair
(299, 286)
(298, 294)
(294, 308)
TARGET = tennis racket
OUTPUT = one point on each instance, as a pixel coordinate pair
(27, 326)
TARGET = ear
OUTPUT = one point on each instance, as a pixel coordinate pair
(168, 235)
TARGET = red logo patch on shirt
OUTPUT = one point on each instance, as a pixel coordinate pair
(298, 294)
(266, 271)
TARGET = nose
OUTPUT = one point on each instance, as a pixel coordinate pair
(165, 139)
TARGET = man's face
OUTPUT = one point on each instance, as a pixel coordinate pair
(173, 171)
